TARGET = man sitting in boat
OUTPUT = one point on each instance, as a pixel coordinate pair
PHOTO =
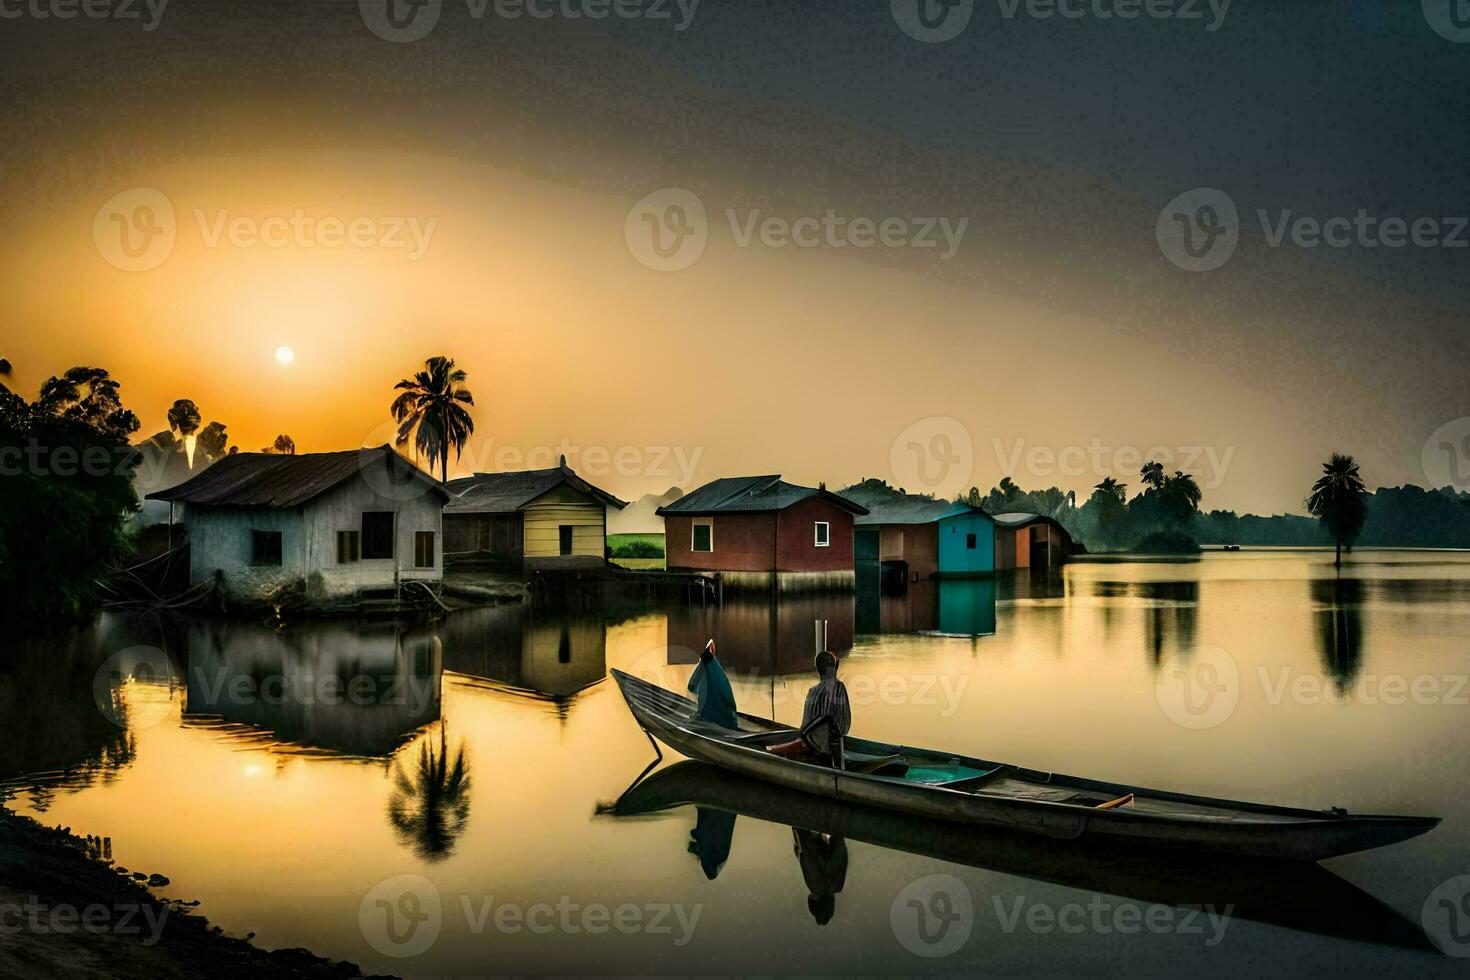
(825, 719)
(712, 687)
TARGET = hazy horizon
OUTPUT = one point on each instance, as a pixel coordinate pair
(511, 156)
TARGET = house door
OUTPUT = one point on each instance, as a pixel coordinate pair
(566, 539)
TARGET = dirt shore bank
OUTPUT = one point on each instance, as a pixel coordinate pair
(62, 913)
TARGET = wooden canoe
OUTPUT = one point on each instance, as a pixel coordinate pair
(1298, 895)
(944, 786)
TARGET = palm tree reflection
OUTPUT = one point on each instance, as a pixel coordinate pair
(1338, 615)
(429, 806)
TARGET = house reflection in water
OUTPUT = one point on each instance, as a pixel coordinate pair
(771, 635)
(959, 606)
(349, 688)
(552, 657)
(966, 606)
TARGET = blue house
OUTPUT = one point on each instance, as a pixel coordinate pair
(913, 538)
(966, 542)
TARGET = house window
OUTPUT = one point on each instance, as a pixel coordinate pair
(565, 535)
(348, 546)
(377, 534)
(970, 542)
(702, 536)
(265, 547)
(823, 534)
(423, 549)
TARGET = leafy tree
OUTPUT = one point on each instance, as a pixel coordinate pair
(1107, 509)
(284, 445)
(66, 492)
(1180, 498)
(1339, 501)
(183, 417)
(432, 411)
(213, 441)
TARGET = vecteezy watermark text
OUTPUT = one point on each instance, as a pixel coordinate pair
(1198, 231)
(1098, 459)
(936, 21)
(402, 917)
(402, 21)
(122, 10)
(136, 230)
(61, 919)
(669, 229)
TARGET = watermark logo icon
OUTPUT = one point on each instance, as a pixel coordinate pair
(400, 21)
(1450, 19)
(933, 917)
(932, 21)
(1446, 916)
(1199, 229)
(667, 230)
(401, 916)
(134, 687)
(1202, 693)
(1446, 455)
(934, 455)
(136, 229)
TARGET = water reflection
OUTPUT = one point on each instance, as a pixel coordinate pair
(429, 806)
(966, 606)
(349, 688)
(710, 840)
(823, 860)
(551, 657)
(1300, 896)
(56, 738)
(959, 607)
(1171, 616)
(1337, 617)
(770, 636)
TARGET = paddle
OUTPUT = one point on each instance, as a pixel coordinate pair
(1114, 804)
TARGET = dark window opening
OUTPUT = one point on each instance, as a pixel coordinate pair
(423, 549)
(566, 538)
(970, 542)
(377, 534)
(704, 538)
(265, 547)
(348, 546)
(564, 648)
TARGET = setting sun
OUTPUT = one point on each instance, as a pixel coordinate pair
(284, 356)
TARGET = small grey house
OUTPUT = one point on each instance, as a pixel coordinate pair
(549, 518)
(342, 522)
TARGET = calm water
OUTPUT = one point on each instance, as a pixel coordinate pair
(282, 777)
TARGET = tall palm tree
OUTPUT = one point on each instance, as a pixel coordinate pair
(184, 418)
(1340, 501)
(1181, 497)
(432, 410)
(283, 446)
(1153, 475)
(1113, 488)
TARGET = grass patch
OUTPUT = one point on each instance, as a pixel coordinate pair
(656, 563)
(654, 538)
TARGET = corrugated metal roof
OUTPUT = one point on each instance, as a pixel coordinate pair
(283, 480)
(506, 493)
(750, 494)
(1018, 519)
(884, 507)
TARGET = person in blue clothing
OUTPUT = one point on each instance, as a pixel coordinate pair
(710, 685)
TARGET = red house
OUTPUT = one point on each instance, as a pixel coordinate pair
(760, 530)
